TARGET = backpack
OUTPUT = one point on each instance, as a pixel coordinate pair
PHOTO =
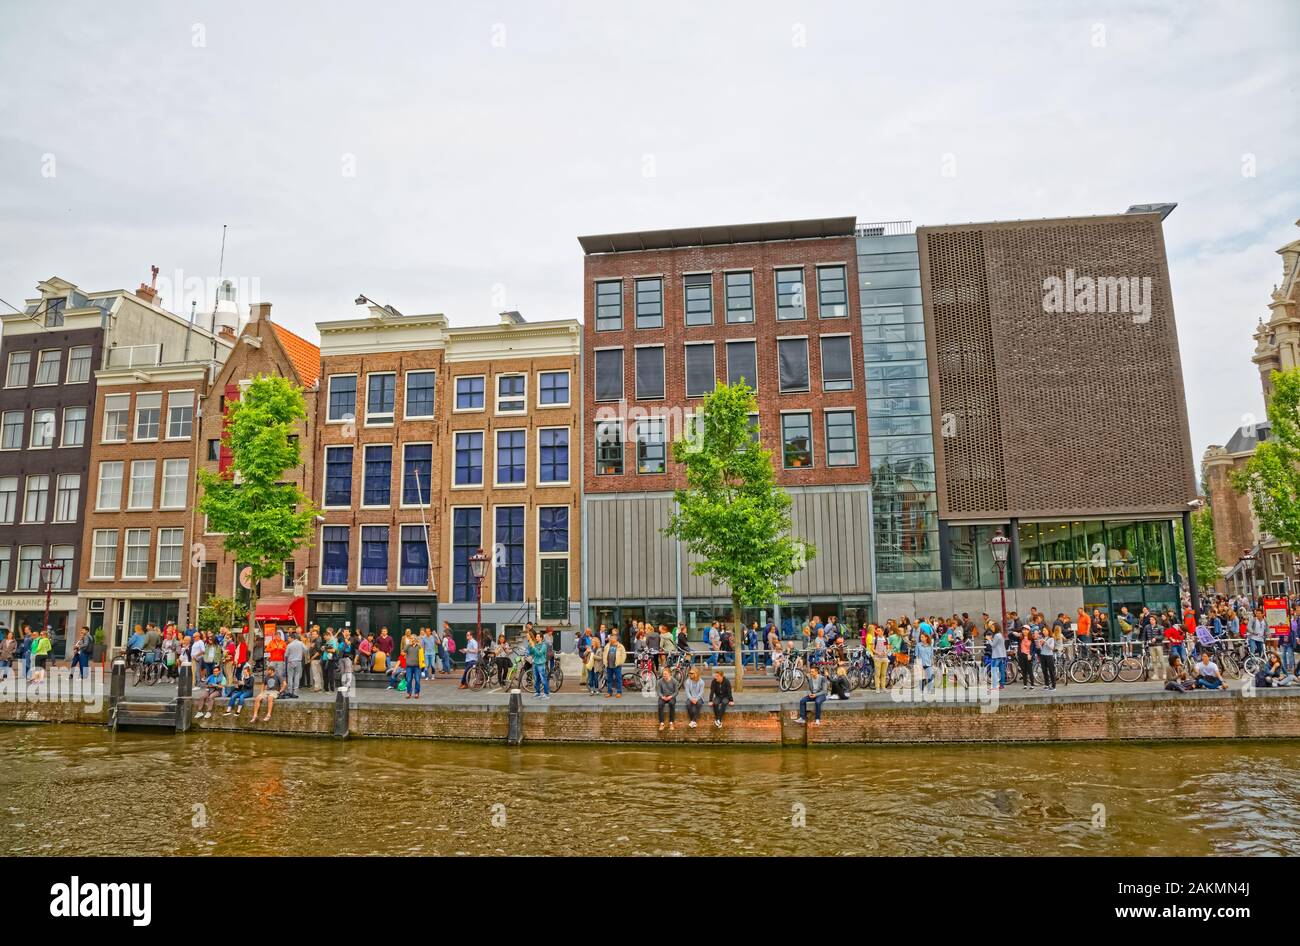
(451, 644)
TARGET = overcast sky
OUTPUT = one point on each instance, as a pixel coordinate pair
(444, 157)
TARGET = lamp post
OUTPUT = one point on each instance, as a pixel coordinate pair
(478, 563)
(1248, 559)
(1000, 545)
(49, 570)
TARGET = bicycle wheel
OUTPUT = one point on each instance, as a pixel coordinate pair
(645, 681)
(1130, 669)
(476, 679)
(1252, 665)
(796, 678)
(528, 680)
(556, 679)
(1108, 670)
(852, 679)
(1082, 670)
(1013, 670)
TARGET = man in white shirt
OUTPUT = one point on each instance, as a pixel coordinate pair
(1207, 673)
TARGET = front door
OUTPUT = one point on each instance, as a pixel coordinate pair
(555, 590)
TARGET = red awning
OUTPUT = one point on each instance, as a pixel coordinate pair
(281, 610)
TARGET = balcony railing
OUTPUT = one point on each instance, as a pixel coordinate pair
(884, 228)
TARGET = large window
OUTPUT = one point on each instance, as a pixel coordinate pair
(650, 303)
(175, 484)
(841, 439)
(5, 553)
(43, 428)
(342, 397)
(701, 370)
(171, 543)
(466, 539)
(103, 554)
(650, 373)
(651, 447)
(180, 415)
(792, 363)
(789, 294)
(37, 500)
(148, 415)
(740, 297)
(378, 477)
(553, 455)
(414, 566)
(417, 474)
(381, 398)
(742, 363)
(553, 388)
(117, 414)
(470, 392)
(553, 529)
(832, 292)
(374, 556)
(11, 430)
(609, 374)
(796, 441)
(338, 476)
(109, 495)
(136, 563)
(419, 394)
(61, 577)
(74, 426)
(78, 364)
(469, 458)
(47, 367)
(512, 396)
(20, 364)
(837, 363)
(29, 568)
(609, 306)
(67, 497)
(334, 556)
(512, 458)
(509, 553)
(699, 298)
(142, 474)
(8, 499)
(609, 448)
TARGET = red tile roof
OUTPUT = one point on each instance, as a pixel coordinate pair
(303, 355)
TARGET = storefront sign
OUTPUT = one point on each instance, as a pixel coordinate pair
(37, 602)
(1275, 615)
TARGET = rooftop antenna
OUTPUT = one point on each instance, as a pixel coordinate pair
(216, 296)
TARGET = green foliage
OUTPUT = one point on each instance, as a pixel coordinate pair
(1203, 548)
(218, 612)
(1271, 477)
(264, 518)
(732, 515)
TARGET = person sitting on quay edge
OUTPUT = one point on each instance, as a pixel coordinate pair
(816, 695)
(720, 697)
(694, 688)
(667, 689)
(1207, 673)
(272, 685)
(241, 691)
(1274, 675)
(839, 680)
(213, 686)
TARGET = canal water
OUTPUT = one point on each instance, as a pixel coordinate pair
(81, 790)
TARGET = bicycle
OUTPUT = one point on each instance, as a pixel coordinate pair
(149, 668)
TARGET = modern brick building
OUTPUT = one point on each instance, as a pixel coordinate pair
(432, 442)
(53, 355)
(263, 348)
(667, 315)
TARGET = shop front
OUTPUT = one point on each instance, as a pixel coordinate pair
(19, 610)
(699, 614)
(368, 613)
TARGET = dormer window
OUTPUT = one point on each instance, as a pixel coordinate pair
(54, 312)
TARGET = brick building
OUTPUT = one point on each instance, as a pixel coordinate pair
(667, 315)
(54, 354)
(263, 348)
(435, 441)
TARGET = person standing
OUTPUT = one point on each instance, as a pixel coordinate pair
(413, 651)
(430, 642)
(82, 649)
(540, 651)
(1047, 658)
(8, 651)
(471, 658)
(615, 657)
(595, 667)
(295, 653)
(998, 655)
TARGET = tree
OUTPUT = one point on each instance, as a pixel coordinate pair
(265, 519)
(218, 612)
(1203, 548)
(732, 516)
(1271, 477)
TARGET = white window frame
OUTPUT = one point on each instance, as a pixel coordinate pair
(406, 390)
(90, 366)
(22, 429)
(135, 424)
(455, 396)
(520, 399)
(9, 369)
(58, 367)
(568, 462)
(63, 430)
(153, 482)
(180, 555)
(497, 484)
(320, 558)
(126, 553)
(365, 449)
(113, 399)
(11, 515)
(193, 400)
(329, 392)
(96, 555)
(454, 450)
(18, 575)
(184, 478)
(99, 485)
(325, 469)
(27, 492)
(568, 387)
(381, 420)
(53, 416)
(60, 489)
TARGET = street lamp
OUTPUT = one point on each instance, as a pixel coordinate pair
(1000, 545)
(1248, 559)
(478, 563)
(49, 571)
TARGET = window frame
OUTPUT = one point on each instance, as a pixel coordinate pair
(686, 367)
(63, 429)
(727, 295)
(365, 475)
(40, 363)
(406, 394)
(663, 373)
(844, 275)
(812, 446)
(636, 297)
(521, 398)
(596, 307)
(802, 294)
(51, 426)
(428, 499)
(27, 369)
(385, 419)
(325, 479)
(568, 455)
(826, 433)
(99, 485)
(350, 416)
(193, 401)
(568, 389)
(851, 383)
(522, 482)
(456, 451)
(694, 281)
(807, 364)
(126, 425)
(622, 375)
(138, 414)
(661, 423)
(597, 445)
(90, 367)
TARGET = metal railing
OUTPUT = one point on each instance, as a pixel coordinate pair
(883, 228)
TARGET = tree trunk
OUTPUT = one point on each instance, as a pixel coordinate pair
(737, 636)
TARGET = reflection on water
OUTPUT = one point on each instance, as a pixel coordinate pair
(80, 790)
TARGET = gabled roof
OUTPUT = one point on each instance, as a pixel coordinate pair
(303, 355)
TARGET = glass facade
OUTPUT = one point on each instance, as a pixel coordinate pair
(898, 414)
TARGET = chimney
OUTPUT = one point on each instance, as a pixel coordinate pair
(226, 332)
(512, 318)
(150, 292)
(258, 311)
